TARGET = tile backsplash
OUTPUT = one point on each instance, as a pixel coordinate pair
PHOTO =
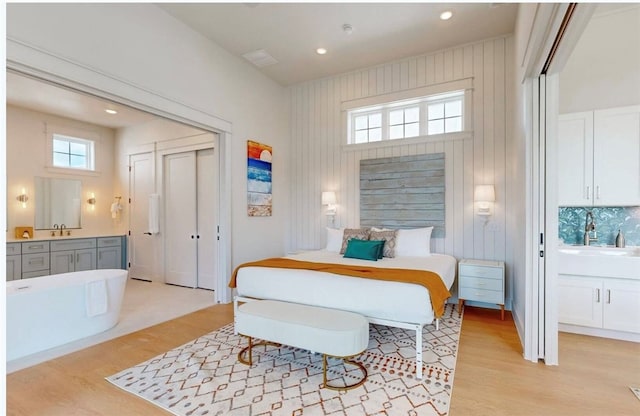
(571, 222)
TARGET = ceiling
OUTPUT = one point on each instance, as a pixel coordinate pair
(382, 32)
(291, 32)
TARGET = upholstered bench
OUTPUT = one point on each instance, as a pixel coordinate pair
(331, 332)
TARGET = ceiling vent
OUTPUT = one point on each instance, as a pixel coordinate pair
(260, 58)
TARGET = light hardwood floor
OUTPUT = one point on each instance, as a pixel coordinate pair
(491, 376)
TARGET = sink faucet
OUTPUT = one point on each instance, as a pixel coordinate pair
(588, 227)
(62, 227)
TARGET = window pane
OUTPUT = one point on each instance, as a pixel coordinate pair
(436, 127)
(361, 122)
(361, 136)
(453, 124)
(411, 130)
(61, 146)
(61, 159)
(396, 117)
(436, 111)
(396, 132)
(78, 161)
(79, 149)
(412, 115)
(375, 135)
(453, 108)
(375, 120)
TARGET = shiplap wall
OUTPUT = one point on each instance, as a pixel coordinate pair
(320, 161)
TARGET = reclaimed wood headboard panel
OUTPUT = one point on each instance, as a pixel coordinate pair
(403, 192)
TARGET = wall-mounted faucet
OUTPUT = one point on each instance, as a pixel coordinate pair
(588, 227)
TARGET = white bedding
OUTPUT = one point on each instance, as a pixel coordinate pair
(377, 299)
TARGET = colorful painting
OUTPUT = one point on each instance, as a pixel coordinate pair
(258, 179)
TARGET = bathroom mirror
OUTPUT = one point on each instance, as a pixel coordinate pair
(57, 201)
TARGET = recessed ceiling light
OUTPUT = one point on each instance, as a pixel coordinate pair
(446, 15)
(110, 111)
(321, 51)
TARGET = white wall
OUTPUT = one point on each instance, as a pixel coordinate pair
(319, 161)
(603, 70)
(145, 47)
(27, 157)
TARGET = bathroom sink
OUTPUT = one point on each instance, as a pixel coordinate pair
(600, 261)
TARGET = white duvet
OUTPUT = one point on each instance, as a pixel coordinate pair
(377, 299)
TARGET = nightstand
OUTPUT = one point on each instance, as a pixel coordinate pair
(481, 281)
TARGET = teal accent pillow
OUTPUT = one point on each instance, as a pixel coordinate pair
(364, 249)
(381, 251)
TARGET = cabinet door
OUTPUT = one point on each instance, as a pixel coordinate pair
(109, 258)
(575, 159)
(616, 156)
(85, 259)
(14, 267)
(622, 305)
(580, 300)
(62, 261)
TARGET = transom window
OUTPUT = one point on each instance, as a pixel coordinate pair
(435, 114)
(72, 152)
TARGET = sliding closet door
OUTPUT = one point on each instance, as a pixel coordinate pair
(207, 219)
(180, 219)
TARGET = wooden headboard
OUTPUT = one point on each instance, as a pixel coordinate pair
(403, 192)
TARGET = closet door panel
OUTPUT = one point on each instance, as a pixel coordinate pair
(207, 187)
(180, 219)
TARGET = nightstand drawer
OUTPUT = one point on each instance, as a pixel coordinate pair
(481, 295)
(476, 271)
(480, 283)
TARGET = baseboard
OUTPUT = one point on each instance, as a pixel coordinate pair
(599, 332)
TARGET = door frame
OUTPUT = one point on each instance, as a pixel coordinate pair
(27, 60)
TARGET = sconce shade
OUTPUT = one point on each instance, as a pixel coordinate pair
(484, 193)
(328, 198)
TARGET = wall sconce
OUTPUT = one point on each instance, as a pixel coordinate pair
(329, 199)
(23, 198)
(484, 196)
(92, 201)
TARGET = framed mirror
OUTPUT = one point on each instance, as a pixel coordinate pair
(57, 201)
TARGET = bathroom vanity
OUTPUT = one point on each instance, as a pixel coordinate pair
(599, 291)
(33, 258)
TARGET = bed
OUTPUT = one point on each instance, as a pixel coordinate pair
(391, 303)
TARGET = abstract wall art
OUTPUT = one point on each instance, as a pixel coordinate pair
(259, 196)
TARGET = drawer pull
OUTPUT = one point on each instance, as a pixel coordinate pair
(31, 247)
(597, 295)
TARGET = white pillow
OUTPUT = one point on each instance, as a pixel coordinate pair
(415, 242)
(334, 239)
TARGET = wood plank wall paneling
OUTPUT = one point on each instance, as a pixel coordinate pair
(403, 192)
(321, 162)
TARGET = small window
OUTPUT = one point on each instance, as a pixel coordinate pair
(72, 152)
(425, 116)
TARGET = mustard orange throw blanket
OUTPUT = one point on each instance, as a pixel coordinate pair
(437, 290)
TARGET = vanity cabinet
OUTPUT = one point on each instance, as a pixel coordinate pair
(109, 253)
(35, 259)
(73, 255)
(14, 261)
(599, 154)
(599, 302)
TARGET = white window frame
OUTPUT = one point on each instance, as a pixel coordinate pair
(422, 95)
(89, 146)
(79, 135)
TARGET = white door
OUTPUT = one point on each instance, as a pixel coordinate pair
(180, 237)
(575, 154)
(141, 243)
(621, 301)
(207, 210)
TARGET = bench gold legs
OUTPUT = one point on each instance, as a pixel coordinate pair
(348, 386)
(249, 348)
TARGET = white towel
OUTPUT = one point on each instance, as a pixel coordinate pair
(114, 210)
(96, 298)
(154, 213)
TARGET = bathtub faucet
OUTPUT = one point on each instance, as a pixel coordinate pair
(588, 227)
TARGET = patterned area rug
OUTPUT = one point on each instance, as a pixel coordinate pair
(203, 377)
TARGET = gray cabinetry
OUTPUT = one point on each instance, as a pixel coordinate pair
(109, 253)
(73, 255)
(14, 261)
(35, 259)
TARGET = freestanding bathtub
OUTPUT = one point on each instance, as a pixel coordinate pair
(48, 311)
